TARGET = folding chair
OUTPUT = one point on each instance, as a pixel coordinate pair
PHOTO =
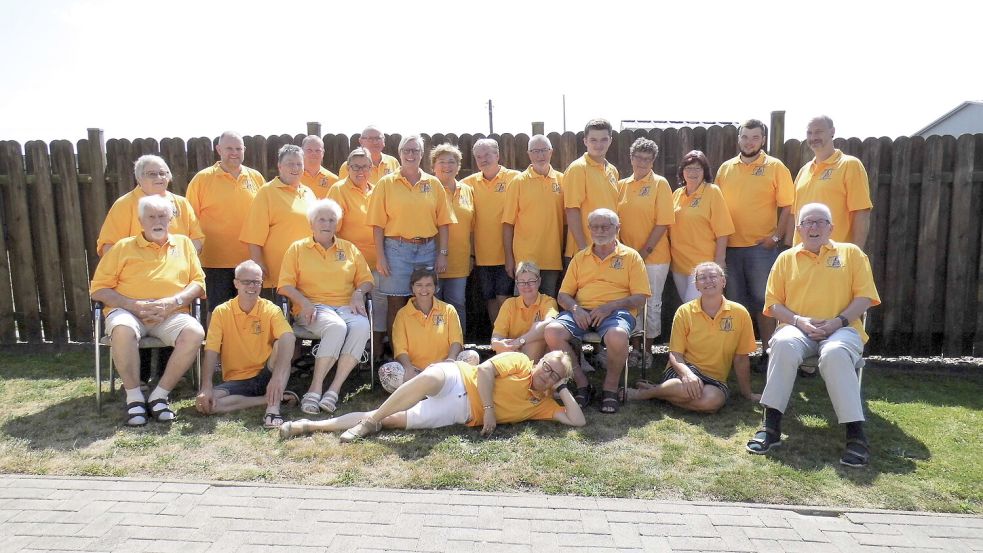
(147, 342)
(594, 339)
(810, 365)
(302, 333)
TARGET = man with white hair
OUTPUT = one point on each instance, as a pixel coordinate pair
(148, 282)
(532, 219)
(255, 344)
(818, 291)
(603, 289)
(316, 177)
(490, 185)
(373, 140)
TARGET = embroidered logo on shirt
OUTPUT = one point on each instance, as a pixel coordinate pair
(556, 188)
(257, 327)
(695, 202)
(833, 262)
(758, 171)
(424, 188)
(250, 185)
(340, 255)
(827, 174)
(727, 324)
(617, 262)
(612, 180)
(438, 320)
(172, 251)
(645, 191)
(324, 183)
(385, 171)
(465, 201)
(500, 187)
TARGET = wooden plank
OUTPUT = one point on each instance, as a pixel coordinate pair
(687, 142)
(273, 145)
(521, 159)
(700, 139)
(659, 166)
(47, 262)
(8, 326)
(669, 147)
(899, 285)
(253, 155)
(336, 151)
(978, 193)
(579, 143)
(392, 145)
(121, 167)
(538, 127)
(175, 154)
(715, 148)
(465, 143)
(21, 243)
(729, 142)
(876, 157)
(792, 156)
(260, 148)
(618, 152)
(963, 254)
(506, 148)
(201, 154)
(92, 197)
(555, 161)
(68, 208)
(314, 127)
(95, 163)
(452, 138)
(776, 142)
(932, 244)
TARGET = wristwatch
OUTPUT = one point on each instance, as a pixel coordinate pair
(442, 252)
(843, 321)
(178, 300)
(522, 341)
(776, 239)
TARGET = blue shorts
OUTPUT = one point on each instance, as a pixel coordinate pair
(403, 259)
(619, 319)
(494, 282)
(250, 387)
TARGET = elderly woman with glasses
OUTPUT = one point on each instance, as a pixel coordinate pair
(522, 319)
(123, 221)
(409, 214)
(327, 279)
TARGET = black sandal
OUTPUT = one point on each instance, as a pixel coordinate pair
(610, 403)
(584, 395)
(764, 440)
(156, 413)
(130, 416)
(856, 453)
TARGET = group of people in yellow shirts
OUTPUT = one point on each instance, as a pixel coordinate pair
(384, 229)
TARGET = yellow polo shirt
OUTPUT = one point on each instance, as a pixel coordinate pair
(222, 204)
(139, 269)
(593, 281)
(841, 183)
(700, 220)
(409, 210)
(534, 206)
(427, 338)
(489, 200)
(821, 285)
(642, 205)
(459, 233)
(513, 396)
(277, 218)
(387, 166)
(354, 225)
(589, 186)
(753, 193)
(515, 318)
(123, 219)
(327, 276)
(244, 340)
(711, 343)
(320, 183)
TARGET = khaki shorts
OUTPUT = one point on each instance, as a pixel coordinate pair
(449, 406)
(166, 331)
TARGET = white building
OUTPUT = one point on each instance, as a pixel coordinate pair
(966, 118)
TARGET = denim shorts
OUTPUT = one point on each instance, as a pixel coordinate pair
(619, 319)
(250, 387)
(403, 258)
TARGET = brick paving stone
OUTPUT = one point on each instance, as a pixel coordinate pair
(953, 532)
(804, 546)
(625, 535)
(71, 543)
(491, 518)
(170, 546)
(656, 544)
(806, 529)
(768, 546)
(735, 538)
(594, 522)
(683, 543)
(771, 533)
(734, 520)
(183, 487)
(883, 540)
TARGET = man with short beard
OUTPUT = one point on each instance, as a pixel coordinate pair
(756, 186)
(603, 289)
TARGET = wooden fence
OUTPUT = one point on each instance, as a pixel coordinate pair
(924, 243)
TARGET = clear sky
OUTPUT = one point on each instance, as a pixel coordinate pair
(194, 68)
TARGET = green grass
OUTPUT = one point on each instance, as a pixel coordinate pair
(926, 427)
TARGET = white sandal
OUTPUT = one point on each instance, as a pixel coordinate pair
(309, 404)
(329, 402)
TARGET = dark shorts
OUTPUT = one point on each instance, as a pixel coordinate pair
(250, 387)
(494, 282)
(747, 275)
(219, 286)
(619, 319)
(671, 373)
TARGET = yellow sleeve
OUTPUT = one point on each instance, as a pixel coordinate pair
(116, 226)
(550, 309)
(863, 278)
(455, 335)
(377, 215)
(362, 272)
(511, 208)
(509, 363)
(290, 268)
(445, 215)
(638, 280)
(256, 228)
(664, 212)
(785, 195)
(399, 337)
(194, 227)
(746, 344)
(775, 289)
(504, 319)
(574, 187)
(197, 273)
(720, 220)
(570, 280)
(279, 324)
(857, 187)
(677, 339)
(107, 272)
(214, 340)
(343, 171)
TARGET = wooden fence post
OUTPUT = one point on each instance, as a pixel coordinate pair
(776, 139)
(314, 127)
(933, 230)
(70, 241)
(47, 261)
(538, 127)
(18, 219)
(8, 328)
(95, 200)
(963, 255)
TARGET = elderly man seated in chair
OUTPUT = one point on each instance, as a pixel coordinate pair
(255, 343)
(148, 281)
(604, 286)
(818, 291)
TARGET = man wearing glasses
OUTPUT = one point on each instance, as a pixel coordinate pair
(604, 286)
(508, 388)
(818, 291)
(373, 140)
(255, 343)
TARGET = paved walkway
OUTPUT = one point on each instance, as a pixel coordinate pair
(72, 514)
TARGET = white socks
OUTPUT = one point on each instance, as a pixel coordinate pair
(160, 393)
(136, 396)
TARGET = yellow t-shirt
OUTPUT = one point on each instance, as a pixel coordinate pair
(642, 205)
(841, 183)
(821, 286)
(243, 340)
(426, 338)
(409, 210)
(711, 343)
(459, 233)
(143, 270)
(700, 220)
(593, 281)
(489, 201)
(278, 218)
(515, 319)
(588, 185)
(514, 398)
(222, 204)
(354, 225)
(123, 219)
(326, 276)
(320, 183)
(753, 193)
(387, 166)
(534, 206)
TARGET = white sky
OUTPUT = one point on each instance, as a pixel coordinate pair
(194, 68)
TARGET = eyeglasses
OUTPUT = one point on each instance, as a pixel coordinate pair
(411, 152)
(540, 151)
(553, 373)
(372, 138)
(359, 168)
(600, 228)
(693, 169)
(818, 223)
(643, 159)
(708, 278)
(250, 282)
(156, 174)
(527, 282)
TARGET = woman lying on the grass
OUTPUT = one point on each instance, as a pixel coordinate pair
(507, 388)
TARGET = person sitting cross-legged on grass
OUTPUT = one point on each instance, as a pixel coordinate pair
(507, 388)
(255, 343)
(709, 335)
(818, 290)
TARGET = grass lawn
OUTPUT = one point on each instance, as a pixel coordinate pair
(926, 428)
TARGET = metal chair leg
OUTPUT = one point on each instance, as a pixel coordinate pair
(97, 321)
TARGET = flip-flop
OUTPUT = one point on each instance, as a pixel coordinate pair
(764, 440)
(272, 420)
(289, 399)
